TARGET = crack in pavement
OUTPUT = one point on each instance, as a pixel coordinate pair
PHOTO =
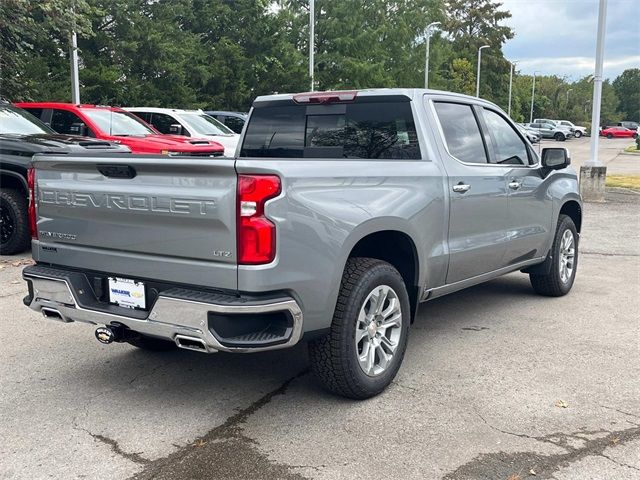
(489, 466)
(608, 254)
(225, 452)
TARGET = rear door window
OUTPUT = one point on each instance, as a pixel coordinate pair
(461, 132)
(373, 130)
(66, 122)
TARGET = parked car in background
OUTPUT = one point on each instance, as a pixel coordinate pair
(118, 125)
(234, 120)
(577, 130)
(532, 135)
(192, 123)
(22, 136)
(550, 130)
(618, 132)
(627, 124)
(342, 212)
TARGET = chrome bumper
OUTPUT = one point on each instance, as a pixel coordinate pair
(181, 320)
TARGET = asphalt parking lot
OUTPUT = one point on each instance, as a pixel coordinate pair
(497, 383)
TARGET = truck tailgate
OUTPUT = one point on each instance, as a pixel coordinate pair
(166, 218)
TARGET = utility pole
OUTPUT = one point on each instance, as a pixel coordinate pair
(593, 174)
(312, 38)
(430, 28)
(510, 85)
(533, 95)
(478, 72)
(73, 56)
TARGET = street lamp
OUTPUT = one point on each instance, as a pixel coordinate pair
(430, 29)
(478, 73)
(533, 94)
(311, 41)
(513, 64)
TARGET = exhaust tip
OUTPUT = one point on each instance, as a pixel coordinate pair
(191, 343)
(53, 314)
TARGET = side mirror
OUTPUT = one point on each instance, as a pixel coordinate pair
(555, 158)
(78, 128)
(175, 129)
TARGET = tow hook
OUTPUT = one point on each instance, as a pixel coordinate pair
(109, 334)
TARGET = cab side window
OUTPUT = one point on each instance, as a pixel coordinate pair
(461, 132)
(509, 148)
(162, 122)
(68, 123)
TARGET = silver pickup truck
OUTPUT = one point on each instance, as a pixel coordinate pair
(340, 214)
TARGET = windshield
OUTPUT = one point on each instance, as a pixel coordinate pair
(117, 123)
(205, 125)
(17, 121)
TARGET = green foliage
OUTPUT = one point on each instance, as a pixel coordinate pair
(627, 88)
(224, 53)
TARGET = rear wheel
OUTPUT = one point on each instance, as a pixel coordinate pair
(14, 223)
(609, 135)
(564, 262)
(635, 135)
(366, 344)
(559, 137)
(151, 343)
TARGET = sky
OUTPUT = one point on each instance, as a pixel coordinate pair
(558, 37)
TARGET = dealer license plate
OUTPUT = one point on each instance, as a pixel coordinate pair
(127, 293)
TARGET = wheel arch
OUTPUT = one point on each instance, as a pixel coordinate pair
(396, 247)
(14, 180)
(573, 209)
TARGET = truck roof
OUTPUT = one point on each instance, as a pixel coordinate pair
(411, 93)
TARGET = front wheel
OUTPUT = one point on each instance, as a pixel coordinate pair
(609, 135)
(578, 133)
(564, 262)
(634, 136)
(364, 348)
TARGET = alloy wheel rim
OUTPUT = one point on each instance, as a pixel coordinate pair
(378, 330)
(567, 256)
(7, 223)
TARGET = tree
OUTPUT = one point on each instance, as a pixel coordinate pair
(462, 76)
(30, 34)
(627, 88)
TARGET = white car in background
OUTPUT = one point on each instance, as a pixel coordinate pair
(192, 123)
(577, 131)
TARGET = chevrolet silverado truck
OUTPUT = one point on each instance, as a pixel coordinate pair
(342, 213)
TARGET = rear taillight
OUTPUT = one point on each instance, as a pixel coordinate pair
(31, 183)
(256, 233)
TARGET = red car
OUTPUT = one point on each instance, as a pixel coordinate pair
(118, 125)
(618, 132)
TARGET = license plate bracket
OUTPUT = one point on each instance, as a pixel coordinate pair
(126, 292)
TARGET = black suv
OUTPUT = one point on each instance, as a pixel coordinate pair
(22, 136)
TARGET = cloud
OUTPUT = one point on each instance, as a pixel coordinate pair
(559, 36)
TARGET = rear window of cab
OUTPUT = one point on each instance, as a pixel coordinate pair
(372, 130)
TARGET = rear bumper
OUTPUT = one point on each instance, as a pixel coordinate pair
(186, 317)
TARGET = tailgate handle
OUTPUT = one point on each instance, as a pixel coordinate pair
(117, 171)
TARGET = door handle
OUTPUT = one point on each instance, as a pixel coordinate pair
(514, 185)
(461, 188)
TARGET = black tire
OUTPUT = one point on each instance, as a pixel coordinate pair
(14, 222)
(333, 358)
(552, 284)
(609, 135)
(559, 137)
(152, 344)
(634, 136)
(578, 133)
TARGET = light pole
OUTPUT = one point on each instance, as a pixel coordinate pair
(594, 161)
(73, 57)
(311, 41)
(478, 73)
(430, 28)
(568, 91)
(511, 85)
(533, 95)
